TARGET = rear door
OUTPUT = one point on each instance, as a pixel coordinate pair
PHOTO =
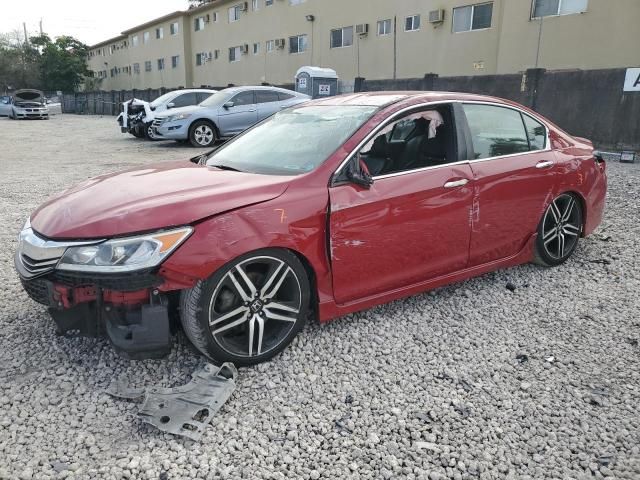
(242, 115)
(514, 173)
(267, 102)
(185, 100)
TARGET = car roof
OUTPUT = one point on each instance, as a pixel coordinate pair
(258, 87)
(196, 90)
(385, 99)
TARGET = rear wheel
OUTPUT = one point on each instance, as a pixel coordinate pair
(250, 309)
(202, 134)
(559, 231)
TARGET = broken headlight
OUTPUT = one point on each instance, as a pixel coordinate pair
(124, 254)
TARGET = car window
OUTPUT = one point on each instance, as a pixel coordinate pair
(285, 96)
(495, 131)
(5, 100)
(266, 96)
(536, 132)
(243, 98)
(185, 100)
(202, 96)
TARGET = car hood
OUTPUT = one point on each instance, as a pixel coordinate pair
(28, 95)
(146, 199)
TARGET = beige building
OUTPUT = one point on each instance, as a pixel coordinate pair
(242, 43)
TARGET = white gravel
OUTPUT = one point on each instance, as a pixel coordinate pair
(471, 381)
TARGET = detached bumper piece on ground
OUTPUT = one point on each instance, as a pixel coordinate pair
(187, 410)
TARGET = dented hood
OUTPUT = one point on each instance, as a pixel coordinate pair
(152, 198)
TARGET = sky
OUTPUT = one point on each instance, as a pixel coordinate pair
(81, 18)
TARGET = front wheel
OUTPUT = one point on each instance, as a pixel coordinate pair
(202, 134)
(559, 231)
(250, 309)
(149, 132)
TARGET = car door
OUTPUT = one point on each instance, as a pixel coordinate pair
(5, 106)
(184, 100)
(514, 175)
(267, 102)
(239, 113)
(408, 227)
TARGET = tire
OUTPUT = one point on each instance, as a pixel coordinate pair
(202, 134)
(559, 231)
(248, 329)
(135, 131)
(148, 131)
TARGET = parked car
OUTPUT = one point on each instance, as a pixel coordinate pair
(224, 114)
(55, 105)
(6, 105)
(26, 103)
(324, 209)
(137, 115)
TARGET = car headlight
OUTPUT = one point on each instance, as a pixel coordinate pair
(124, 254)
(180, 116)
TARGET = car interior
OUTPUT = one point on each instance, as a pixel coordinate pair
(408, 145)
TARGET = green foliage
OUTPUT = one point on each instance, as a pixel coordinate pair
(42, 63)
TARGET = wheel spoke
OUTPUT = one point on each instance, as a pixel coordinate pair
(549, 240)
(275, 316)
(571, 230)
(281, 306)
(246, 279)
(272, 278)
(239, 289)
(229, 315)
(232, 324)
(555, 211)
(561, 246)
(567, 212)
(550, 233)
(277, 286)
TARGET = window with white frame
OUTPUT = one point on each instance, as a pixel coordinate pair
(546, 8)
(161, 64)
(256, 48)
(412, 23)
(215, 17)
(235, 53)
(199, 59)
(159, 33)
(198, 24)
(472, 17)
(175, 61)
(174, 28)
(135, 40)
(270, 45)
(342, 37)
(145, 37)
(384, 27)
(297, 43)
(255, 5)
(234, 13)
(136, 68)
(147, 66)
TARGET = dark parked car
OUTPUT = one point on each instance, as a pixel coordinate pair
(324, 209)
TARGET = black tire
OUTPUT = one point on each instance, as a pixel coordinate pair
(203, 134)
(240, 333)
(147, 131)
(559, 231)
(135, 131)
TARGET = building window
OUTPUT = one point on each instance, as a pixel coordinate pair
(342, 37)
(159, 33)
(145, 37)
(296, 2)
(256, 48)
(473, 17)
(136, 68)
(134, 40)
(255, 5)
(198, 24)
(174, 28)
(175, 61)
(268, 3)
(271, 45)
(199, 59)
(412, 23)
(234, 54)
(147, 66)
(216, 54)
(297, 44)
(546, 8)
(161, 64)
(384, 27)
(215, 17)
(234, 13)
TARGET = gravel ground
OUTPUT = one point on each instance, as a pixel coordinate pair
(470, 381)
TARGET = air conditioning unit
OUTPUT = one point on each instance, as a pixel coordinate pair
(244, 49)
(436, 16)
(362, 29)
(244, 6)
(280, 43)
(207, 18)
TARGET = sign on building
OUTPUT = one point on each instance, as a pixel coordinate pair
(632, 81)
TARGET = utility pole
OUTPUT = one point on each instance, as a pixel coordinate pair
(41, 26)
(26, 37)
(539, 41)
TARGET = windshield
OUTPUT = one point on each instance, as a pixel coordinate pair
(293, 141)
(217, 99)
(161, 99)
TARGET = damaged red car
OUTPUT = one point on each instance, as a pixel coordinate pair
(323, 209)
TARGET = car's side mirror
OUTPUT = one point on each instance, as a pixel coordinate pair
(228, 105)
(170, 105)
(358, 173)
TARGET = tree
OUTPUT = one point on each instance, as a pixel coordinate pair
(197, 3)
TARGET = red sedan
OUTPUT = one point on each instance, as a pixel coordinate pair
(324, 209)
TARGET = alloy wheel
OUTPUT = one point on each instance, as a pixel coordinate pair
(255, 306)
(561, 227)
(203, 135)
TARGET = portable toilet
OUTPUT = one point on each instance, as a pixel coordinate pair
(317, 82)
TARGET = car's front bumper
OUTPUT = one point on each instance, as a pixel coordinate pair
(36, 113)
(172, 130)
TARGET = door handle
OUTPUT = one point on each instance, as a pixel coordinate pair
(456, 183)
(544, 164)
